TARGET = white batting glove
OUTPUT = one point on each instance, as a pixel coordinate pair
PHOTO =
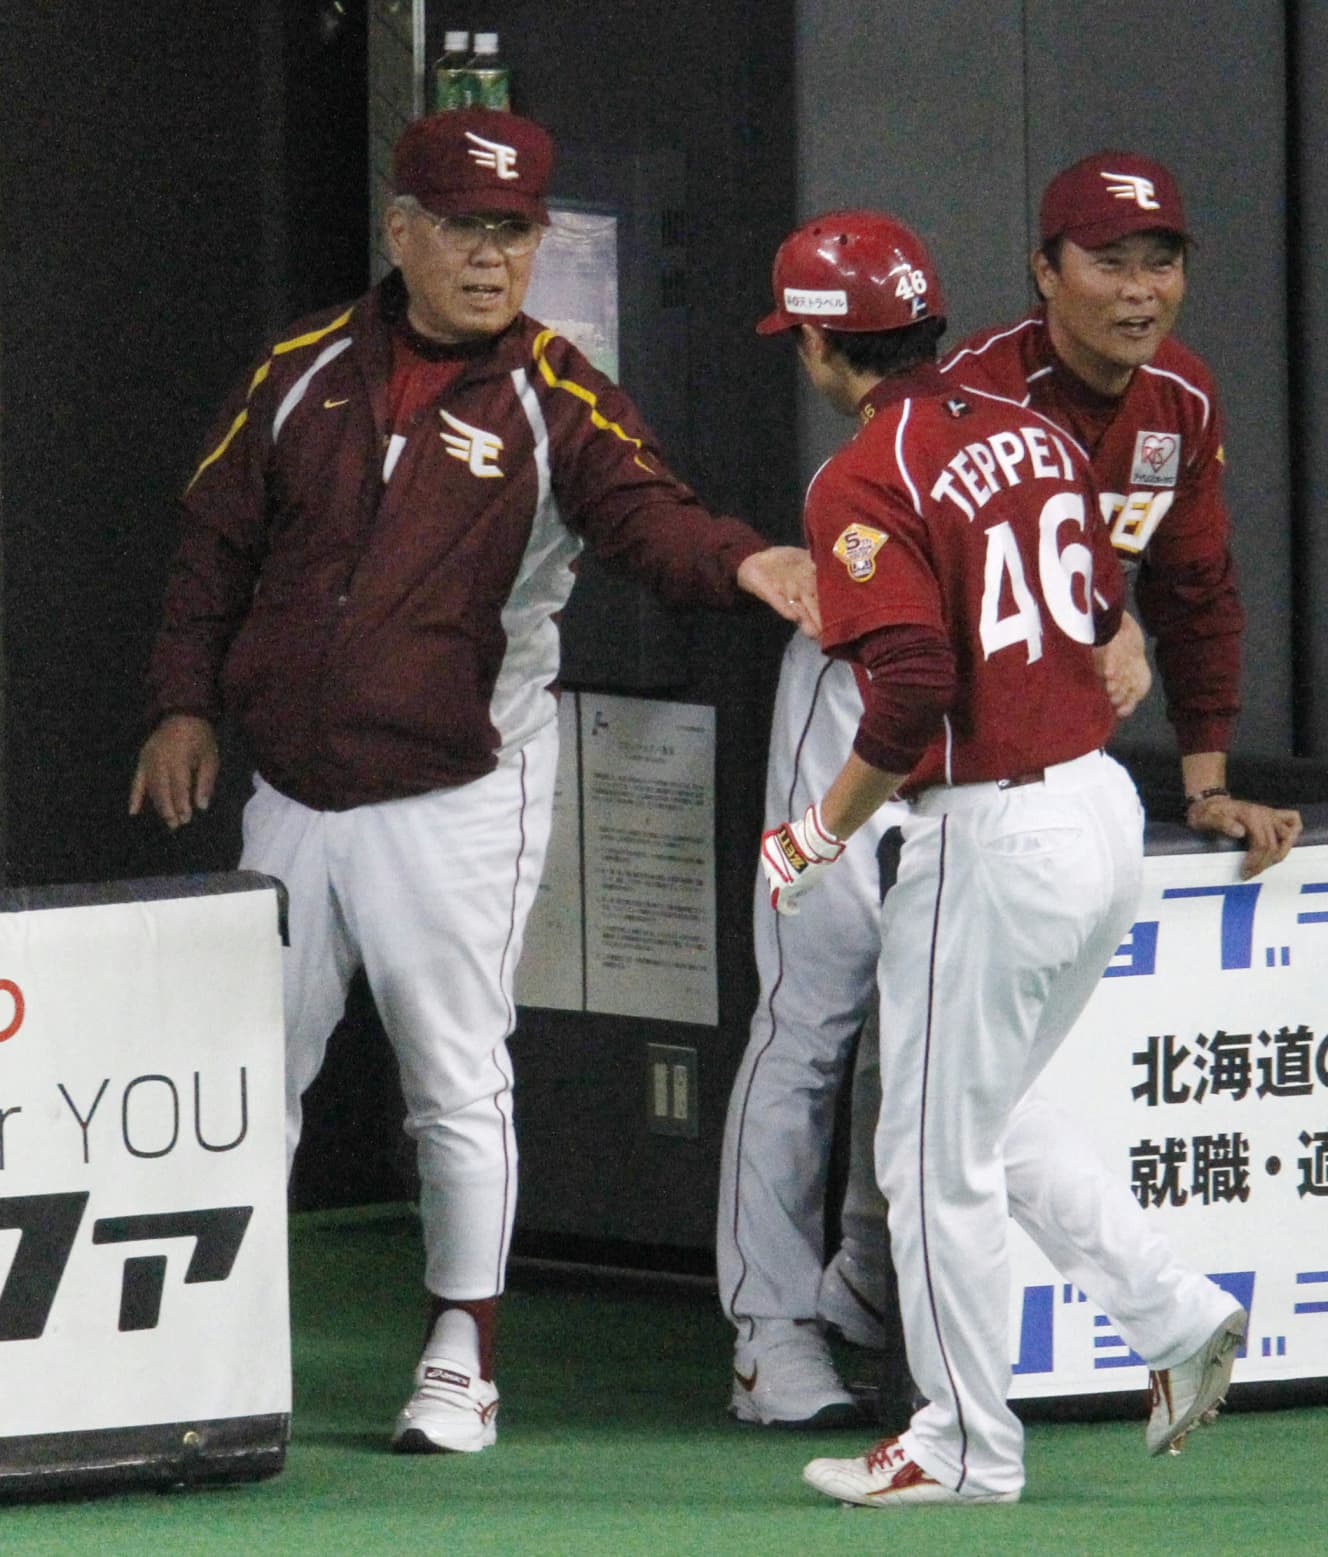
(795, 855)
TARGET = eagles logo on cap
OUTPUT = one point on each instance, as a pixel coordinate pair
(461, 160)
(1109, 195)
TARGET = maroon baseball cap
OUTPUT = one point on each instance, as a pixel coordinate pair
(475, 159)
(1108, 196)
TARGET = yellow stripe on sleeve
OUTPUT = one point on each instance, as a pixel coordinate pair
(293, 344)
(220, 448)
(597, 417)
(296, 341)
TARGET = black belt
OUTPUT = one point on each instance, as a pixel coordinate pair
(1037, 775)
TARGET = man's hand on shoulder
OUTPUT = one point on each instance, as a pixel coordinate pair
(177, 769)
(784, 577)
(1270, 834)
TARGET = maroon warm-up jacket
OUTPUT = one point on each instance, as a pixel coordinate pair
(379, 638)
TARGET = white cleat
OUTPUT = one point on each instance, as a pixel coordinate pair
(784, 1377)
(1189, 1394)
(452, 1410)
(885, 1477)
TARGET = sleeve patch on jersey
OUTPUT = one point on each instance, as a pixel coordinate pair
(856, 548)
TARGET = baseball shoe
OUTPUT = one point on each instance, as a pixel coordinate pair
(452, 1410)
(885, 1477)
(1189, 1394)
(783, 1377)
(843, 1304)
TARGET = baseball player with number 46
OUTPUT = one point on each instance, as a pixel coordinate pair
(963, 567)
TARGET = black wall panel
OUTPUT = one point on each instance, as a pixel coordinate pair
(1307, 295)
(131, 209)
(174, 184)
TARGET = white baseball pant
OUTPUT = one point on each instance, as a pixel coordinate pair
(817, 985)
(1009, 904)
(430, 894)
(1162, 1310)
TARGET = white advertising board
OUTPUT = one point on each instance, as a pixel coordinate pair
(142, 1168)
(1200, 1072)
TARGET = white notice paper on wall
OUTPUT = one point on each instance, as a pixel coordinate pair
(649, 817)
(624, 920)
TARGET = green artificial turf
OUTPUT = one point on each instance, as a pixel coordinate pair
(613, 1440)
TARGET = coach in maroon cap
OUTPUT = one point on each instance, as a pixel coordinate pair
(1107, 197)
(463, 175)
(1098, 356)
(1112, 216)
(379, 542)
(1111, 270)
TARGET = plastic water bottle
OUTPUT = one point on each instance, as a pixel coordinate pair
(452, 87)
(489, 76)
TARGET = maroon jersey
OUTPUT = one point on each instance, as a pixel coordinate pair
(1157, 457)
(976, 519)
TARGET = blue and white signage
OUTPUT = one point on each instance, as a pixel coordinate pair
(1200, 1072)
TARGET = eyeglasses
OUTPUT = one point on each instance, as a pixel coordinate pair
(462, 235)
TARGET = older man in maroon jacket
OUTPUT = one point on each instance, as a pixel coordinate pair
(378, 543)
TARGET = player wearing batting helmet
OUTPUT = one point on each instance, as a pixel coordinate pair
(963, 568)
(818, 971)
(1097, 355)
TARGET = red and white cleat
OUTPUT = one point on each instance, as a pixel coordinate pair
(885, 1477)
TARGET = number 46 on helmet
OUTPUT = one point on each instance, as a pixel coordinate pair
(855, 271)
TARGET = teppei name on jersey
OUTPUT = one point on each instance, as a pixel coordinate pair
(990, 465)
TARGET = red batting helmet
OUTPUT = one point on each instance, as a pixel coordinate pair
(854, 271)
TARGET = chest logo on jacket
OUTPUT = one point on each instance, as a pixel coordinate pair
(479, 449)
(1132, 518)
(1156, 459)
